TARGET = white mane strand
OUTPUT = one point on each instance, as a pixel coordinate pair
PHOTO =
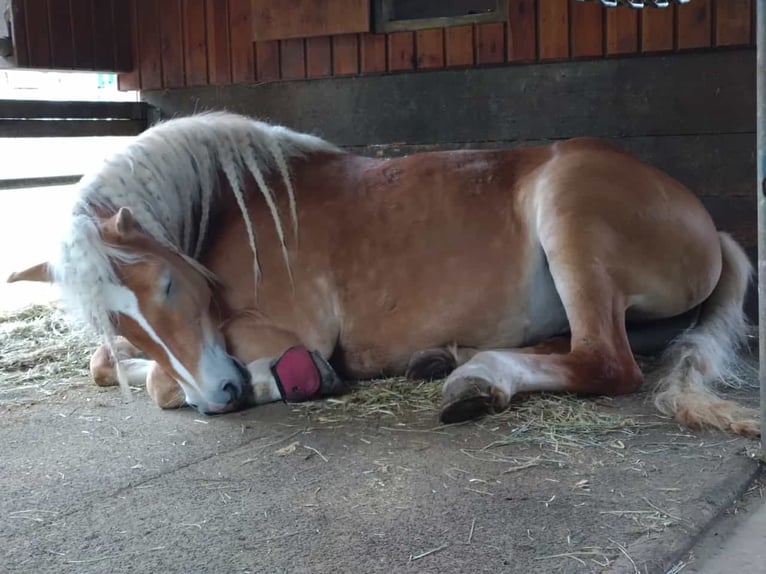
(169, 177)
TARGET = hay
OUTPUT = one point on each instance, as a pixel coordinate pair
(40, 351)
(559, 422)
(395, 398)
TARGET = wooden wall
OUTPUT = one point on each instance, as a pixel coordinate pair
(178, 43)
(208, 42)
(73, 34)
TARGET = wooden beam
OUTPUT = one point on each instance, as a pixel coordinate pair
(27, 182)
(24, 109)
(69, 128)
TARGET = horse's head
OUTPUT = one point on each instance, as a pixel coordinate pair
(162, 304)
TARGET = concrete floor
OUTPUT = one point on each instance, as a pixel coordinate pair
(92, 483)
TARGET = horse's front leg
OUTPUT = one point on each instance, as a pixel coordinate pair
(281, 366)
(137, 370)
(103, 371)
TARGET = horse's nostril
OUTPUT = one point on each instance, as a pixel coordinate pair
(232, 389)
(194, 406)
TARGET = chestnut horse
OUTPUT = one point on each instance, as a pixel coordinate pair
(215, 247)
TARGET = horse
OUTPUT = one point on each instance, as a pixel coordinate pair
(229, 262)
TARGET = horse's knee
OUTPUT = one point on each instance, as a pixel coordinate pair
(163, 390)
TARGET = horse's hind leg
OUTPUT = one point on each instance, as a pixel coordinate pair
(598, 360)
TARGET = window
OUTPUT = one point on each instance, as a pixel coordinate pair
(400, 15)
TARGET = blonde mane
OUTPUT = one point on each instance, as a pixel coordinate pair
(169, 178)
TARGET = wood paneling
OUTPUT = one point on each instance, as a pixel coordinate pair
(657, 30)
(345, 54)
(267, 60)
(103, 34)
(21, 42)
(458, 46)
(522, 30)
(307, 18)
(38, 41)
(490, 43)
(318, 57)
(82, 32)
(124, 26)
(372, 53)
(177, 43)
(693, 24)
(149, 53)
(732, 22)
(621, 30)
(171, 44)
(401, 51)
(586, 29)
(62, 38)
(553, 27)
(240, 33)
(195, 42)
(130, 80)
(292, 61)
(218, 41)
(429, 47)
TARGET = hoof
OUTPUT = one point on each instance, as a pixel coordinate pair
(331, 385)
(471, 398)
(431, 364)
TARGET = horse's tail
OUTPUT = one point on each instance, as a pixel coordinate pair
(707, 352)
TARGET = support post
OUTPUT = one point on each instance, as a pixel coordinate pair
(761, 203)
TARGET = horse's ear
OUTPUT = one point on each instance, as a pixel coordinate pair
(40, 272)
(123, 221)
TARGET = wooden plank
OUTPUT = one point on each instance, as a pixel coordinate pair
(429, 47)
(490, 43)
(657, 30)
(553, 29)
(240, 30)
(123, 35)
(27, 182)
(103, 35)
(372, 53)
(18, 109)
(218, 58)
(292, 61)
(195, 42)
(522, 30)
(148, 26)
(733, 23)
(267, 60)
(622, 30)
(38, 34)
(131, 80)
(345, 55)
(172, 48)
(82, 34)
(401, 51)
(19, 26)
(693, 25)
(62, 38)
(307, 18)
(318, 57)
(586, 29)
(459, 46)
(69, 128)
